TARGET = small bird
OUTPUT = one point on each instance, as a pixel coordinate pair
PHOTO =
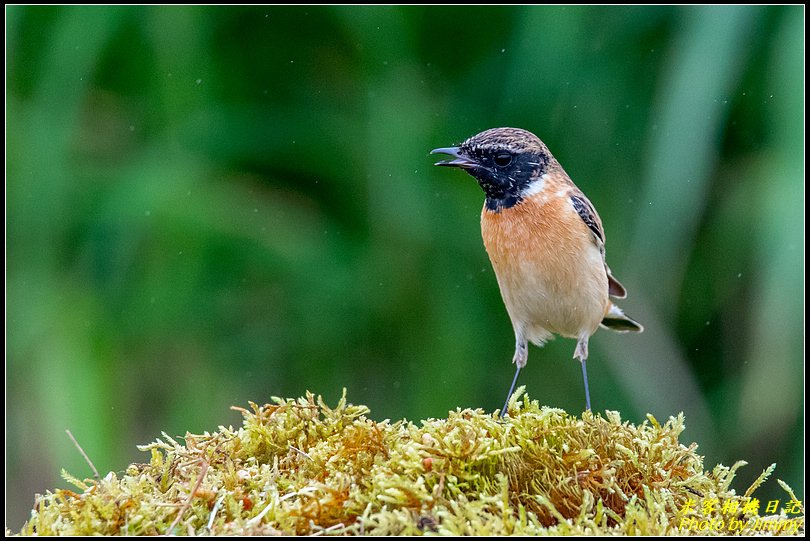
(545, 241)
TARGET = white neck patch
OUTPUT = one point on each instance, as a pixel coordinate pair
(535, 187)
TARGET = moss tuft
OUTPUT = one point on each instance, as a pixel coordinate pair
(301, 467)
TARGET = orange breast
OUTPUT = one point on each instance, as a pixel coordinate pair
(550, 271)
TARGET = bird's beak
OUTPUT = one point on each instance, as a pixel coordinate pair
(459, 159)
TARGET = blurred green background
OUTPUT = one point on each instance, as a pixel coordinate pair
(212, 205)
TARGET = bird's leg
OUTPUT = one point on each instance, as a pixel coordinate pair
(581, 353)
(521, 355)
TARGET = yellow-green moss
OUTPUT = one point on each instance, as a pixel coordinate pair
(300, 467)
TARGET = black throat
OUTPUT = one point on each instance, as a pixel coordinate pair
(504, 186)
(499, 203)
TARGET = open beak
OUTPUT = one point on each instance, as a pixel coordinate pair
(459, 160)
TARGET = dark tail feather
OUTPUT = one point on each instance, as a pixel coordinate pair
(616, 320)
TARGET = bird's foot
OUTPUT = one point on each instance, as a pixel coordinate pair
(521, 355)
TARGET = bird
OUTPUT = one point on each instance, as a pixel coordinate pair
(546, 244)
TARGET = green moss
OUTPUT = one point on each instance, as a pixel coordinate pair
(300, 467)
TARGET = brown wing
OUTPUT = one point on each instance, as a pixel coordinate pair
(615, 289)
(589, 216)
(591, 219)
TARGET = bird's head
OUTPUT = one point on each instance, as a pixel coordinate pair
(506, 162)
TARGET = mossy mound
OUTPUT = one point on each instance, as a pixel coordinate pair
(300, 467)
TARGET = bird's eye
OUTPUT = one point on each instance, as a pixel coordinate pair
(502, 159)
